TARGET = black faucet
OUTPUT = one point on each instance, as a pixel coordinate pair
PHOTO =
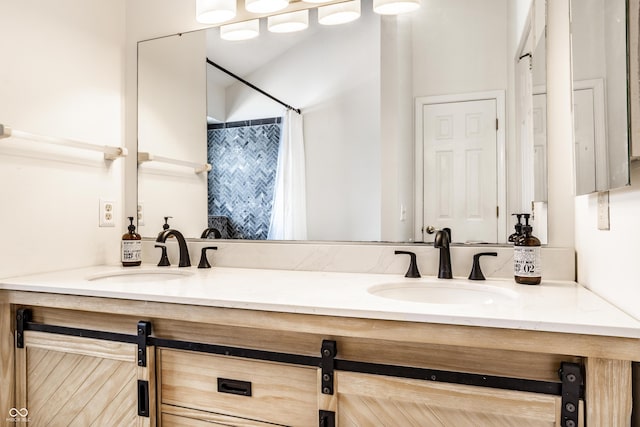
(211, 230)
(185, 261)
(164, 259)
(204, 262)
(476, 271)
(442, 241)
(413, 265)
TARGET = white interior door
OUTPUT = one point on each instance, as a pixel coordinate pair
(460, 178)
(590, 136)
(585, 154)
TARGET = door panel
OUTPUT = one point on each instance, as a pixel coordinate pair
(73, 381)
(460, 179)
(370, 400)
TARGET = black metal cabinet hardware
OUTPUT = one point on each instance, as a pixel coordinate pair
(143, 398)
(23, 317)
(242, 388)
(327, 361)
(246, 353)
(327, 419)
(24, 323)
(144, 331)
(572, 390)
(329, 350)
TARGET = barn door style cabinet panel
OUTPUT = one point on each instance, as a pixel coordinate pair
(65, 377)
(121, 362)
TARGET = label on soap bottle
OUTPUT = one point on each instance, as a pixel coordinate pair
(131, 250)
(526, 261)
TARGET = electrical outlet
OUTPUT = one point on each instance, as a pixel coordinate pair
(603, 210)
(106, 211)
(140, 214)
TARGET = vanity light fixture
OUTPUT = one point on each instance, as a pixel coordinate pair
(339, 13)
(395, 7)
(240, 30)
(288, 22)
(215, 11)
(265, 6)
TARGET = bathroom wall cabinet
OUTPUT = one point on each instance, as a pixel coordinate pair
(209, 366)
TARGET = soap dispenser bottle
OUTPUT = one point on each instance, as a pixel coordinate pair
(131, 247)
(526, 257)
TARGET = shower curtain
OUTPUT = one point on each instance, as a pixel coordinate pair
(289, 214)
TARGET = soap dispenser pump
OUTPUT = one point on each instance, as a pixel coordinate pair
(527, 264)
(518, 233)
(131, 247)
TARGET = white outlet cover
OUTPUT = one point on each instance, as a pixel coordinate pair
(106, 213)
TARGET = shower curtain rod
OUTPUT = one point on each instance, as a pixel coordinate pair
(252, 86)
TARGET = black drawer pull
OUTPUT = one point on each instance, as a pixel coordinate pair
(242, 388)
(143, 398)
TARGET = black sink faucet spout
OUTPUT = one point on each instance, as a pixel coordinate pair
(442, 241)
(185, 261)
(210, 230)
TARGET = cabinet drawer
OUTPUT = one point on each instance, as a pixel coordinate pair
(174, 416)
(282, 394)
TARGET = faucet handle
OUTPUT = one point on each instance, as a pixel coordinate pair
(164, 259)
(476, 272)
(204, 262)
(413, 265)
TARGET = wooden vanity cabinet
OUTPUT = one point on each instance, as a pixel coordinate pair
(184, 378)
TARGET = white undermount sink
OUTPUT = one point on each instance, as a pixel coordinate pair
(439, 291)
(139, 275)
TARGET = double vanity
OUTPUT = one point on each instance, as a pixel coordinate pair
(255, 347)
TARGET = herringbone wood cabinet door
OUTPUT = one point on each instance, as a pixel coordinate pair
(377, 401)
(69, 381)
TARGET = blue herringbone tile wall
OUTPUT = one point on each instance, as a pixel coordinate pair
(244, 160)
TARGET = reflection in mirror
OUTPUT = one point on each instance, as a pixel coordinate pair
(356, 85)
(531, 113)
(600, 103)
(539, 122)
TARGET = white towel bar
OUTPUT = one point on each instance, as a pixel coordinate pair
(110, 152)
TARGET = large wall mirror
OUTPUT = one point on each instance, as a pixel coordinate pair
(371, 92)
(600, 94)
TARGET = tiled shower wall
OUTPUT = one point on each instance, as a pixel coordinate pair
(244, 156)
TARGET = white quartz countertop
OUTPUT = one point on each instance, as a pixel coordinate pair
(552, 306)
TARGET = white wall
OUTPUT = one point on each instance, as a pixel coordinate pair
(608, 260)
(559, 126)
(335, 81)
(62, 75)
(148, 19)
(172, 108)
(396, 129)
(460, 63)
